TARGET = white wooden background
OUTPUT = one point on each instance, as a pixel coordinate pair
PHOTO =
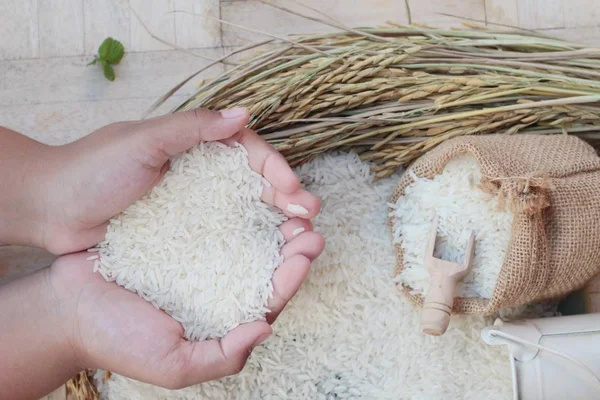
(47, 92)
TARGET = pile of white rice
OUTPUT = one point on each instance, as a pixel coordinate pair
(201, 245)
(461, 208)
(350, 333)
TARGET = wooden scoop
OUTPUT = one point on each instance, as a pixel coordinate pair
(437, 308)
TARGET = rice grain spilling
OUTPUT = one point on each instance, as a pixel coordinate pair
(201, 245)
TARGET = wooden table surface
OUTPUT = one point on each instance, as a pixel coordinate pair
(48, 93)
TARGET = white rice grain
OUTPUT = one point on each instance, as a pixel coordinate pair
(201, 245)
(461, 208)
(349, 332)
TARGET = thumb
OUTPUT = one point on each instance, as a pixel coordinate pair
(172, 134)
(214, 359)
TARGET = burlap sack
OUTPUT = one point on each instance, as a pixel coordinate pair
(552, 186)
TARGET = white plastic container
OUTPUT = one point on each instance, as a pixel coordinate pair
(551, 358)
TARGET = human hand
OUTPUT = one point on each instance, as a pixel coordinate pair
(62, 200)
(117, 330)
(89, 181)
(114, 329)
(66, 318)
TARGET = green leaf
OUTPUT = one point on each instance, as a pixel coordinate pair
(109, 72)
(111, 51)
(93, 62)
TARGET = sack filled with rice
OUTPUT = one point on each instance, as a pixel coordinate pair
(533, 203)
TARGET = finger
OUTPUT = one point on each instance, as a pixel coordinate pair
(295, 226)
(267, 161)
(287, 279)
(308, 244)
(214, 359)
(172, 134)
(301, 203)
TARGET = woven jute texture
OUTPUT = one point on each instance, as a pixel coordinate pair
(552, 186)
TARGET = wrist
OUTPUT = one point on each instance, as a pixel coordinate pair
(65, 289)
(36, 344)
(22, 200)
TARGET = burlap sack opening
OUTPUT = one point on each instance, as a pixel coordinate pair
(552, 186)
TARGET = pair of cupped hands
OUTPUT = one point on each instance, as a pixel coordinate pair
(69, 194)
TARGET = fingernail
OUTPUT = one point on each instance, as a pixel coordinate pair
(298, 231)
(234, 113)
(261, 339)
(296, 209)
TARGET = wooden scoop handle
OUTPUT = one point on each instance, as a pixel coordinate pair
(437, 308)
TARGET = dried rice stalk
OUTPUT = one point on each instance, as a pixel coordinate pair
(393, 93)
(81, 387)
